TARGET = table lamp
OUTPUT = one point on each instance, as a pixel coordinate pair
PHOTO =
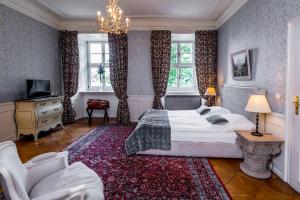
(258, 104)
(210, 91)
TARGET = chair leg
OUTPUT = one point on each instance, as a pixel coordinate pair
(107, 117)
(90, 113)
(104, 118)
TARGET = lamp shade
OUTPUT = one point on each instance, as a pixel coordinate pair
(210, 91)
(258, 104)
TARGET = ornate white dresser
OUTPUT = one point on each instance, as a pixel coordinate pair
(36, 115)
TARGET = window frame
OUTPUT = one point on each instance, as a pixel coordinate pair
(178, 66)
(90, 65)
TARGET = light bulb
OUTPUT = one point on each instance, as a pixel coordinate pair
(98, 15)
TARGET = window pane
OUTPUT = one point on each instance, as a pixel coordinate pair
(96, 58)
(174, 53)
(106, 48)
(186, 77)
(186, 48)
(106, 58)
(95, 78)
(186, 58)
(107, 77)
(172, 82)
(96, 48)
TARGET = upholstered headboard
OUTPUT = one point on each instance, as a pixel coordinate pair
(235, 99)
(182, 102)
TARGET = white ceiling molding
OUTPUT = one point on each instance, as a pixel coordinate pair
(35, 11)
(230, 12)
(180, 25)
(79, 9)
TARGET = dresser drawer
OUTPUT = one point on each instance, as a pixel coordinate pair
(42, 105)
(44, 121)
(45, 104)
(54, 102)
(50, 110)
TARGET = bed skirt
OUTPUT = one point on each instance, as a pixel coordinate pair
(200, 149)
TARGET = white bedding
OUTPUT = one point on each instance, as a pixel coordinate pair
(190, 126)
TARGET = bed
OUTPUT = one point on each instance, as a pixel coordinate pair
(192, 135)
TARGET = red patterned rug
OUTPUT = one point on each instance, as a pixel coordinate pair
(144, 177)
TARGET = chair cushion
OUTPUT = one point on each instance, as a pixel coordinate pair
(75, 175)
(97, 104)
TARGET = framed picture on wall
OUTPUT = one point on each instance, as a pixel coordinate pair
(241, 69)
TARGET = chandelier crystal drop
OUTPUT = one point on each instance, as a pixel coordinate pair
(114, 22)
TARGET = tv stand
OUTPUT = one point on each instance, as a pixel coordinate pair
(36, 115)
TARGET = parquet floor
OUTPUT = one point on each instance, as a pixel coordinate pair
(239, 185)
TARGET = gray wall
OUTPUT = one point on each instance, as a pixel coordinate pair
(139, 63)
(28, 50)
(262, 26)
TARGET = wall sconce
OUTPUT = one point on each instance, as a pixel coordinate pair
(296, 104)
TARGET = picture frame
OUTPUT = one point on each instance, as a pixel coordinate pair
(241, 69)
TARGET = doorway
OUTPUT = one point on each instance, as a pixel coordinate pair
(292, 168)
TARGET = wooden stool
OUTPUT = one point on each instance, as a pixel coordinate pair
(97, 104)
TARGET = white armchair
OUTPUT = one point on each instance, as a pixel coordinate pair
(46, 177)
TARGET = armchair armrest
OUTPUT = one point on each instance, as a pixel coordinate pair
(75, 193)
(46, 164)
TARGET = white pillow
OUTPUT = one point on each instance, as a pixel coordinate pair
(218, 110)
(201, 108)
(238, 122)
(214, 110)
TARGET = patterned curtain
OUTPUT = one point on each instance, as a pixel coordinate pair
(206, 62)
(118, 59)
(160, 59)
(70, 67)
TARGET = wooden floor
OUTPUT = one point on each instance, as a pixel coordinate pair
(239, 185)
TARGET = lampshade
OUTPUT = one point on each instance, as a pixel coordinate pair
(258, 104)
(210, 91)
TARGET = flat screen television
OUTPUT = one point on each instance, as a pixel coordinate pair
(38, 89)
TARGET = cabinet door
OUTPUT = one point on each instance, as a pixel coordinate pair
(25, 120)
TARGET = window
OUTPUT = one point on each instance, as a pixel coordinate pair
(98, 53)
(182, 70)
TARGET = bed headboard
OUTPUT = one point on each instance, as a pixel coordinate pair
(182, 102)
(235, 99)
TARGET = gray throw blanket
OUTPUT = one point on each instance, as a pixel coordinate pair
(152, 132)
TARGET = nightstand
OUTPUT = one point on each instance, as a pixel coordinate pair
(258, 152)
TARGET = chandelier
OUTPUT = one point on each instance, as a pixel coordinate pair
(114, 21)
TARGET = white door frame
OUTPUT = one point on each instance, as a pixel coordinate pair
(289, 110)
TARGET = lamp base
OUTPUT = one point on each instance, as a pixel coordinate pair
(258, 134)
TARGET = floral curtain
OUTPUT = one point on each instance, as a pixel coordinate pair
(70, 68)
(206, 62)
(118, 64)
(160, 59)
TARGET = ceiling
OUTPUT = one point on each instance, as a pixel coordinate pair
(178, 15)
(203, 9)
